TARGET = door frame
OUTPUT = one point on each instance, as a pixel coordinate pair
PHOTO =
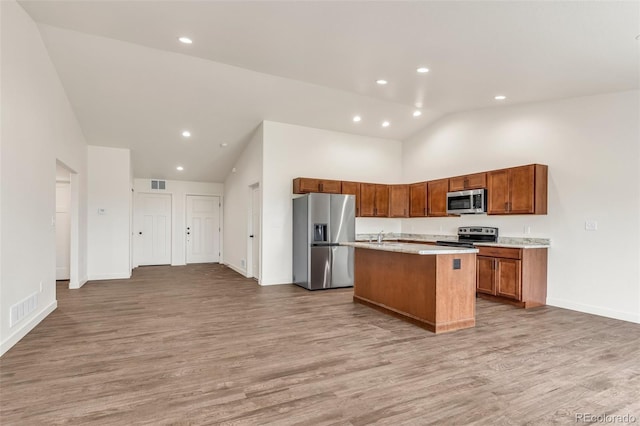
(136, 213)
(66, 182)
(220, 222)
(75, 281)
(250, 273)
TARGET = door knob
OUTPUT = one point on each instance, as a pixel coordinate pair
(188, 233)
(251, 236)
(140, 232)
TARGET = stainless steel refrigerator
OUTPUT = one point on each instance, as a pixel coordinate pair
(320, 223)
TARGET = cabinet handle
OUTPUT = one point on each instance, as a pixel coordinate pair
(425, 211)
(320, 187)
(375, 211)
(466, 183)
(510, 207)
(506, 206)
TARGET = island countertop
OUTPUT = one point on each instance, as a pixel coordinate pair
(411, 248)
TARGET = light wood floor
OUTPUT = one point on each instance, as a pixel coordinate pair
(203, 345)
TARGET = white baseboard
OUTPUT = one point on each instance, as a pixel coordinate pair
(239, 270)
(178, 264)
(594, 310)
(79, 284)
(17, 335)
(114, 276)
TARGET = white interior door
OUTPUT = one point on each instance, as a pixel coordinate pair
(203, 229)
(255, 231)
(153, 233)
(63, 231)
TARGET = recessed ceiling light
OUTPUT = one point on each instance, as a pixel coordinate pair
(500, 98)
(357, 118)
(224, 144)
(179, 168)
(186, 133)
(385, 124)
(381, 82)
(417, 113)
(185, 40)
(423, 70)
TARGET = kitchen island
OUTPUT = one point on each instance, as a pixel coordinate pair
(431, 286)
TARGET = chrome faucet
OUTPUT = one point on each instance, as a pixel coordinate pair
(380, 234)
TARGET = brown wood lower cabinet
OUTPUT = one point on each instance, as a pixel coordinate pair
(512, 275)
(425, 290)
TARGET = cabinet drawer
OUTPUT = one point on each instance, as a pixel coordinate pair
(505, 252)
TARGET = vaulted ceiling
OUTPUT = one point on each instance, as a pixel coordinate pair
(133, 84)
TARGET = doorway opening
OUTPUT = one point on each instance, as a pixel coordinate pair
(202, 233)
(253, 252)
(67, 227)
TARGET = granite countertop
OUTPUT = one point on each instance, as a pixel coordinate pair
(508, 242)
(411, 248)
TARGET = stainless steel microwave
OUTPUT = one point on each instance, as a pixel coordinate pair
(467, 202)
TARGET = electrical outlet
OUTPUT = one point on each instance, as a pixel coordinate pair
(242, 263)
(526, 230)
(590, 225)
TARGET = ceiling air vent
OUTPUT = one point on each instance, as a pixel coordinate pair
(158, 184)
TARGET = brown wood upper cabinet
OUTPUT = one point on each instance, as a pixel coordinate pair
(462, 183)
(353, 188)
(398, 200)
(437, 197)
(517, 190)
(306, 185)
(418, 199)
(374, 200)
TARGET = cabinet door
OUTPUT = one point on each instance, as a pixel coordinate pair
(305, 185)
(382, 201)
(462, 183)
(367, 199)
(437, 197)
(521, 187)
(485, 275)
(330, 186)
(508, 282)
(498, 192)
(399, 201)
(418, 199)
(353, 188)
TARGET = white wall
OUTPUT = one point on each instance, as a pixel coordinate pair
(591, 145)
(237, 205)
(37, 126)
(291, 151)
(109, 233)
(179, 191)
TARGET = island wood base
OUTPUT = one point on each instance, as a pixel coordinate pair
(422, 289)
